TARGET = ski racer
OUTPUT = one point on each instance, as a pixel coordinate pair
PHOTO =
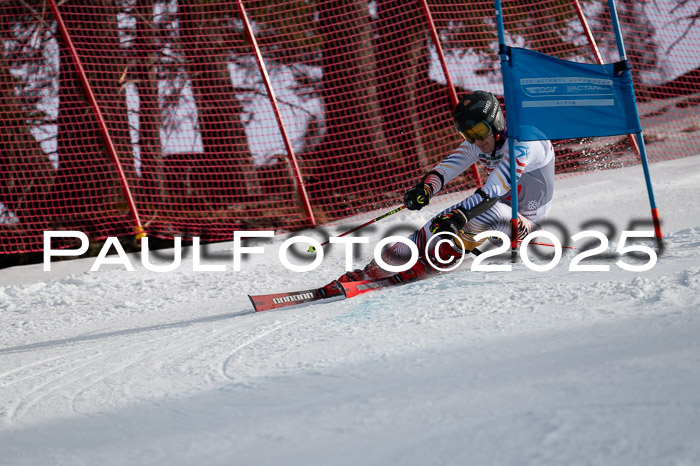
(479, 119)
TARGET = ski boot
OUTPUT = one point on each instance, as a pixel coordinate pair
(421, 269)
(370, 272)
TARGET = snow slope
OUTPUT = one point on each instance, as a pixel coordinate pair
(115, 367)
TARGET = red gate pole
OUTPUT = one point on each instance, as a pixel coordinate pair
(598, 57)
(273, 100)
(445, 70)
(100, 120)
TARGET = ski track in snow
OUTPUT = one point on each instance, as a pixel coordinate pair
(118, 367)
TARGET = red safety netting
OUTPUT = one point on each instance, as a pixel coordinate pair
(157, 113)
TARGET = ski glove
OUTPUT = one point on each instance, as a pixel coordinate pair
(418, 196)
(452, 222)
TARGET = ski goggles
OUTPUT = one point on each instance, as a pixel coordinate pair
(479, 131)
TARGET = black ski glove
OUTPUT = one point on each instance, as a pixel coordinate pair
(452, 222)
(418, 196)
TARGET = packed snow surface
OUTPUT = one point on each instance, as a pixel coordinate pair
(113, 367)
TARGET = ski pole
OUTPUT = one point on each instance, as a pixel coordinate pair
(550, 245)
(384, 215)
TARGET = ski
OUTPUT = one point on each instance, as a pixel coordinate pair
(352, 289)
(341, 290)
(419, 271)
(267, 302)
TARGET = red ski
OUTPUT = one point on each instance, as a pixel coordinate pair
(342, 290)
(352, 289)
(267, 302)
(418, 272)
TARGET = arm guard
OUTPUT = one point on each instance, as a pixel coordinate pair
(485, 204)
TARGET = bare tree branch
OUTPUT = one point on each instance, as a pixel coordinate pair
(38, 16)
(693, 19)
